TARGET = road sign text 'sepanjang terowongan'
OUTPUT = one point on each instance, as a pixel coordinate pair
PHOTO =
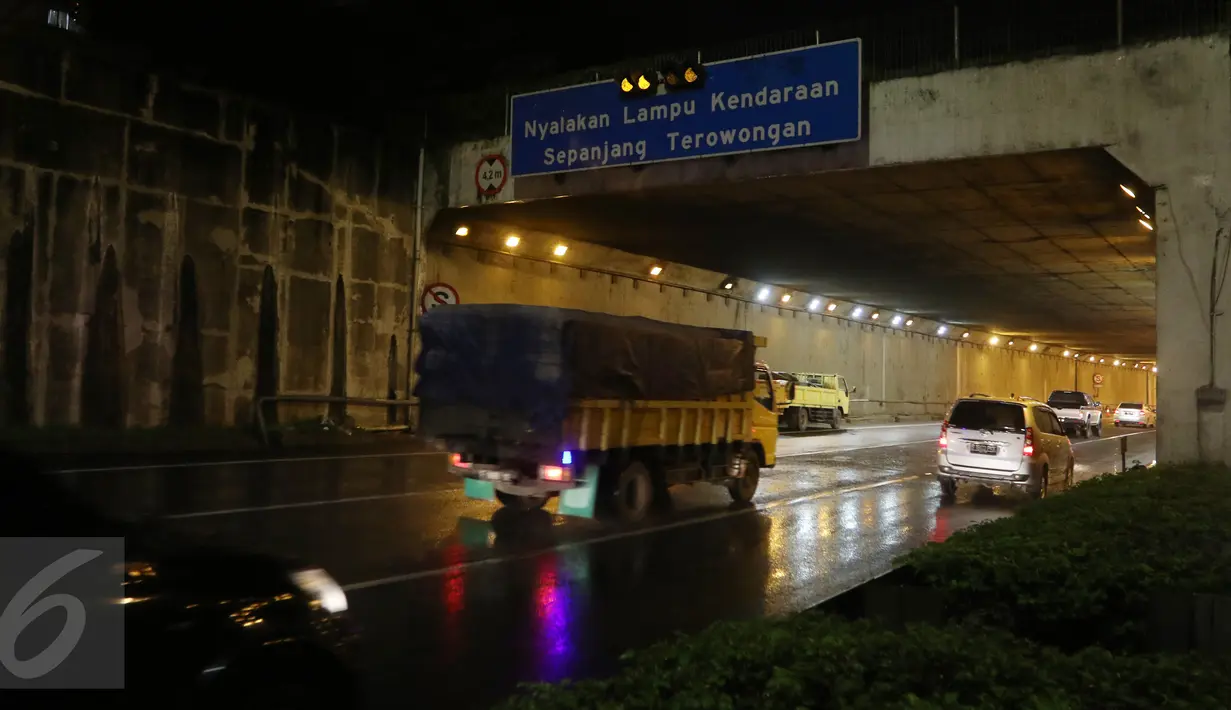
(792, 99)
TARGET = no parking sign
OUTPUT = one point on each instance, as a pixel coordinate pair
(438, 294)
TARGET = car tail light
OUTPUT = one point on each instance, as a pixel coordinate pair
(555, 473)
(1028, 449)
(943, 443)
(456, 460)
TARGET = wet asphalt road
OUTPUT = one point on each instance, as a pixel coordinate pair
(459, 602)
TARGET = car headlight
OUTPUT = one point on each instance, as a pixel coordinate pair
(321, 589)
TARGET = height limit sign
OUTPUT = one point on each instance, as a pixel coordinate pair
(490, 175)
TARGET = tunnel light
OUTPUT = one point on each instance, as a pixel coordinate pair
(1143, 212)
(1034, 347)
(786, 297)
(1116, 363)
(1010, 342)
(814, 304)
(462, 231)
(897, 320)
(1154, 369)
(728, 283)
(1066, 353)
(655, 270)
(942, 330)
(876, 315)
(1101, 361)
(1127, 191)
(560, 250)
(1146, 224)
(831, 307)
(1091, 358)
(763, 294)
(857, 312)
(1076, 355)
(909, 322)
(512, 241)
(994, 340)
(966, 334)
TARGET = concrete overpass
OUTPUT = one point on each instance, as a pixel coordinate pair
(1070, 203)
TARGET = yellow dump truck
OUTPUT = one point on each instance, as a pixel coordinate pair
(605, 412)
(813, 399)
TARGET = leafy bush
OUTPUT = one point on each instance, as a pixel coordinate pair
(1082, 568)
(817, 661)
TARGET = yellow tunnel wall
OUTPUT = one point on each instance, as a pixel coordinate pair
(898, 374)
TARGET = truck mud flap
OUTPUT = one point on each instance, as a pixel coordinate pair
(475, 534)
(580, 501)
(479, 490)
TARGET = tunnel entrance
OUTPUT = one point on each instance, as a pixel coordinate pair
(1056, 246)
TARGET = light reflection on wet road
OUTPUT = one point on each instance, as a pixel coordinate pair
(460, 601)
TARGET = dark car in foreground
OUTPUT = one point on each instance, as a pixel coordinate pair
(204, 626)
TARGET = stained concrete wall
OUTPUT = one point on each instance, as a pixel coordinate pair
(1165, 111)
(144, 226)
(898, 372)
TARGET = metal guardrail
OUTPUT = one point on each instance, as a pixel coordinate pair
(261, 402)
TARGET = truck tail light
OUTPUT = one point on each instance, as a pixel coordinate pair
(555, 473)
(943, 443)
(1028, 449)
(456, 460)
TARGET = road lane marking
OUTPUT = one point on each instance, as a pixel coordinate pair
(308, 504)
(855, 448)
(859, 427)
(411, 494)
(623, 534)
(249, 462)
(1112, 438)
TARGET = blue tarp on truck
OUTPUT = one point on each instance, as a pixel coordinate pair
(531, 360)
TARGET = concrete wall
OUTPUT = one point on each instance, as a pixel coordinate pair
(1163, 110)
(168, 251)
(898, 372)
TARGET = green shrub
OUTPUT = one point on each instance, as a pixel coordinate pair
(1082, 568)
(817, 661)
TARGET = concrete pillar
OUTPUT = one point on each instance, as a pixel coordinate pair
(1192, 217)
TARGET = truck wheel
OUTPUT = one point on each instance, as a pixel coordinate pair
(633, 493)
(521, 503)
(1097, 431)
(742, 489)
(836, 421)
(795, 419)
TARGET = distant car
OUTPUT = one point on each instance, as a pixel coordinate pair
(205, 626)
(1134, 414)
(1078, 412)
(1003, 442)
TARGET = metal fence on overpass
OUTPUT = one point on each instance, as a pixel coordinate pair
(929, 37)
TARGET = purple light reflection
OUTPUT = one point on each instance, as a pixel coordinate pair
(553, 608)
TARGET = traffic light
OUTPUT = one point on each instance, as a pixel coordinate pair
(679, 77)
(638, 82)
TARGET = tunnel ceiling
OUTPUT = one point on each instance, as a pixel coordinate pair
(1044, 245)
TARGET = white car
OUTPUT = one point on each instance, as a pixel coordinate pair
(1003, 442)
(1077, 411)
(1134, 414)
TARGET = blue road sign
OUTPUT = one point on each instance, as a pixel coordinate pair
(791, 99)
